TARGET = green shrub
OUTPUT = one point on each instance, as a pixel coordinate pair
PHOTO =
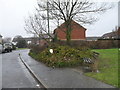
(62, 56)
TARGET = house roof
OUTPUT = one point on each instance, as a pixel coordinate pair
(115, 34)
(73, 23)
(46, 36)
(107, 35)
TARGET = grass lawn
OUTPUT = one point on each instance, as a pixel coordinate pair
(108, 67)
(21, 48)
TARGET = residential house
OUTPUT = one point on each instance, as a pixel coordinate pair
(42, 40)
(112, 35)
(29, 40)
(78, 31)
(36, 40)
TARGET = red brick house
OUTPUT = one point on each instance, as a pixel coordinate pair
(78, 31)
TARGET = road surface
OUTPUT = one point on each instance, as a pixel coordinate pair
(14, 73)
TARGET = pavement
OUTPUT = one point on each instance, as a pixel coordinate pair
(61, 77)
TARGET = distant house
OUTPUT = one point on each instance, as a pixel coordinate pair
(92, 38)
(29, 40)
(112, 35)
(36, 40)
(78, 31)
(0, 39)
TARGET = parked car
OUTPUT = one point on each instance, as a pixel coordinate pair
(1, 48)
(7, 47)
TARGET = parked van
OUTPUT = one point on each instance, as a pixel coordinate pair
(7, 47)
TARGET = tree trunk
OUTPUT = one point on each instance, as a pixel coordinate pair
(68, 32)
(68, 37)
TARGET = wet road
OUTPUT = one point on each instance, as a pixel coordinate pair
(14, 73)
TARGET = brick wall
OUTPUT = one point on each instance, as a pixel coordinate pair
(78, 32)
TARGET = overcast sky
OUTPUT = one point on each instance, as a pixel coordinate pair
(13, 13)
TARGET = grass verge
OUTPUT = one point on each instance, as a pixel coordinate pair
(21, 48)
(108, 67)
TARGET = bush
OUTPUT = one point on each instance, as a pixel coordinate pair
(13, 47)
(21, 43)
(63, 56)
(37, 49)
(99, 44)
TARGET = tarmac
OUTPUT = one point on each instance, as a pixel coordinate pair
(61, 77)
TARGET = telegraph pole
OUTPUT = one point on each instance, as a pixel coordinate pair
(48, 16)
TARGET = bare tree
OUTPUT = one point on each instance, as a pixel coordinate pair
(82, 11)
(36, 25)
